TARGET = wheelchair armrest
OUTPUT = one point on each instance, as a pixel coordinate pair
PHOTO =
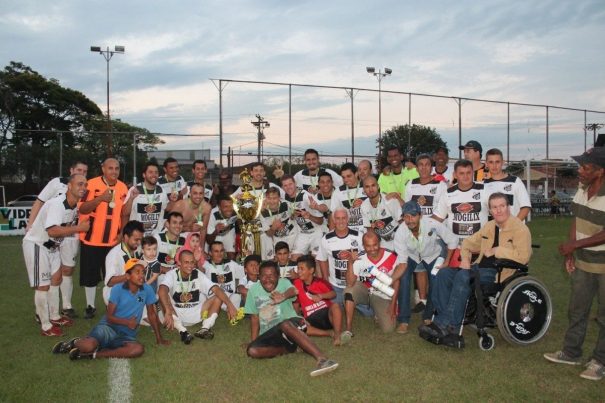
(510, 264)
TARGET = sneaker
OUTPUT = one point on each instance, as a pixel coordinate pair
(345, 337)
(324, 366)
(561, 358)
(90, 312)
(594, 371)
(432, 330)
(453, 340)
(69, 312)
(54, 331)
(186, 337)
(204, 333)
(402, 328)
(240, 315)
(62, 321)
(63, 347)
(419, 307)
(76, 354)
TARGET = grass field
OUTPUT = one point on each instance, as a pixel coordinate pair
(374, 367)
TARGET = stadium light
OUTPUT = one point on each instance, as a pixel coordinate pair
(379, 75)
(107, 55)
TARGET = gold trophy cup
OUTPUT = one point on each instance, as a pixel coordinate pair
(248, 207)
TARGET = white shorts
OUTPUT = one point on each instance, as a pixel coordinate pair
(69, 251)
(41, 263)
(193, 315)
(236, 299)
(307, 243)
(228, 241)
(268, 244)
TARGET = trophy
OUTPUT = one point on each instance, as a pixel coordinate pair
(248, 207)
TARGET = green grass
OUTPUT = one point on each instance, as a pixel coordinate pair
(374, 367)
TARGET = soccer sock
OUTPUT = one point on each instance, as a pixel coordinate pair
(53, 302)
(208, 323)
(416, 296)
(423, 301)
(41, 301)
(178, 325)
(91, 293)
(67, 288)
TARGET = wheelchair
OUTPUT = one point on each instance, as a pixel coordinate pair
(520, 307)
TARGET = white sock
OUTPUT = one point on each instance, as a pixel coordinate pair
(416, 296)
(423, 301)
(208, 323)
(53, 302)
(41, 301)
(91, 293)
(178, 325)
(67, 289)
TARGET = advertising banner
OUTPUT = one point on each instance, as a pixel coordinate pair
(13, 220)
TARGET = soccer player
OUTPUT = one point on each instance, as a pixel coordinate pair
(275, 329)
(473, 153)
(103, 204)
(392, 181)
(425, 190)
(322, 200)
(115, 334)
(443, 171)
(186, 294)
(146, 202)
(335, 250)
(250, 277)
(57, 219)
(510, 185)
(172, 183)
(221, 225)
(259, 184)
(359, 283)
(308, 178)
(132, 234)
(350, 196)
(287, 267)
(195, 211)
(277, 224)
(309, 221)
(71, 244)
(170, 241)
(199, 170)
(379, 214)
(223, 272)
(314, 296)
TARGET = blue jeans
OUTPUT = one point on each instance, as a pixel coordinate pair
(108, 337)
(451, 290)
(403, 298)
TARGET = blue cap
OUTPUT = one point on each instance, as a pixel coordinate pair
(412, 207)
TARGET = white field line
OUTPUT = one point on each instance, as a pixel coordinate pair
(118, 379)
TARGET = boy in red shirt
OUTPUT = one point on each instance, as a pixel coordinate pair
(323, 317)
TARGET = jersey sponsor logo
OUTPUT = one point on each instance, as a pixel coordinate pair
(433, 190)
(508, 188)
(464, 208)
(477, 196)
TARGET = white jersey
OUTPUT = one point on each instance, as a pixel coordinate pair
(246, 283)
(167, 249)
(223, 274)
(56, 187)
(513, 188)
(188, 295)
(362, 267)
(148, 207)
(447, 175)
(54, 212)
(114, 265)
(305, 181)
(227, 235)
(172, 186)
(283, 214)
(427, 195)
(331, 250)
(326, 201)
(427, 247)
(385, 218)
(284, 271)
(351, 199)
(301, 202)
(208, 191)
(466, 211)
(258, 191)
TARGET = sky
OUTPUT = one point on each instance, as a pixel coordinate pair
(538, 52)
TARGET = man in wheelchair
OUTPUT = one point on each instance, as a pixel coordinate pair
(505, 237)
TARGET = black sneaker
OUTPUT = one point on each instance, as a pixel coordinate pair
(76, 354)
(453, 340)
(90, 312)
(69, 312)
(419, 307)
(63, 347)
(432, 330)
(204, 333)
(186, 337)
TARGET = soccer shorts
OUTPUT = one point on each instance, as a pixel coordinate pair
(320, 319)
(307, 243)
(228, 241)
(69, 250)
(274, 337)
(92, 264)
(268, 244)
(41, 263)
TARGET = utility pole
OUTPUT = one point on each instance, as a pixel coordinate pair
(260, 125)
(594, 127)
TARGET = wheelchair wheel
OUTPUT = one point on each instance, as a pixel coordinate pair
(524, 310)
(487, 342)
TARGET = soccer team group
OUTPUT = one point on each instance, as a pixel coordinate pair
(332, 246)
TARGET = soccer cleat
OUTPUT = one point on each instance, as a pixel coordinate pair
(240, 315)
(76, 354)
(90, 312)
(206, 334)
(69, 312)
(594, 371)
(186, 337)
(54, 331)
(324, 366)
(419, 307)
(63, 347)
(62, 321)
(561, 358)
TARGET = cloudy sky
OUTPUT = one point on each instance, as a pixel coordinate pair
(539, 52)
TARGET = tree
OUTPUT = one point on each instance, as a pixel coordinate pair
(422, 139)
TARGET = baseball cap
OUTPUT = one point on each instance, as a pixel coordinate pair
(130, 263)
(595, 155)
(442, 148)
(472, 144)
(412, 207)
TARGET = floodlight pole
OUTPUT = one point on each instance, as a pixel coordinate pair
(260, 125)
(379, 75)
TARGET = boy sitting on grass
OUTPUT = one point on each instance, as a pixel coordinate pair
(274, 327)
(115, 335)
